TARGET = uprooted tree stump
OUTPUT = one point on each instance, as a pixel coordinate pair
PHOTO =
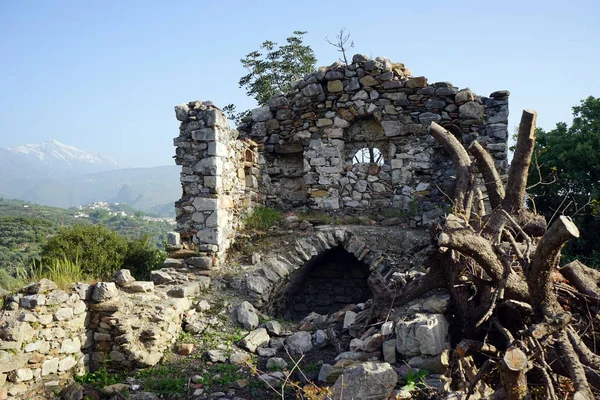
(524, 326)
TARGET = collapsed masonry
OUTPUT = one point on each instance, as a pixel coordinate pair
(349, 139)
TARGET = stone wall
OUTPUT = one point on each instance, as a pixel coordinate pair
(312, 134)
(43, 336)
(299, 150)
(47, 334)
(219, 178)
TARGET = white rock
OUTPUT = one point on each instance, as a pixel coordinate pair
(246, 315)
(299, 343)
(374, 381)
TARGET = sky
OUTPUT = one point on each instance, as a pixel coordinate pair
(104, 76)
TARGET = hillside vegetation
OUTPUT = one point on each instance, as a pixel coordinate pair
(25, 227)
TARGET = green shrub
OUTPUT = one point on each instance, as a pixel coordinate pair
(97, 252)
(142, 257)
(262, 219)
(9, 282)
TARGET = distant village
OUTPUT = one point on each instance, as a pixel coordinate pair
(112, 211)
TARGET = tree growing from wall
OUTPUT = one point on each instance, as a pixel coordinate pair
(272, 69)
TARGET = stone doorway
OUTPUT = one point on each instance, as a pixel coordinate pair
(326, 284)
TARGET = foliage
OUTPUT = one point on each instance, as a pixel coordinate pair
(9, 282)
(221, 374)
(262, 219)
(99, 252)
(25, 228)
(63, 272)
(99, 378)
(163, 380)
(567, 165)
(142, 257)
(415, 379)
(272, 69)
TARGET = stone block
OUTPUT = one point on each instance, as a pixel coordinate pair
(217, 149)
(206, 135)
(261, 114)
(335, 86)
(472, 110)
(255, 339)
(70, 346)
(140, 287)
(123, 277)
(50, 366)
(416, 82)
(215, 117)
(205, 204)
(187, 290)
(66, 364)
(426, 334)
(104, 291)
(368, 380)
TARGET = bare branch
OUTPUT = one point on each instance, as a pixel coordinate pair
(485, 164)
(461, 161)
(543, 262)
(519, 169)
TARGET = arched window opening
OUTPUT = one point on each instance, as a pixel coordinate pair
(370, 155)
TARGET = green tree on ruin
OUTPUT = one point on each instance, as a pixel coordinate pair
(272, 69)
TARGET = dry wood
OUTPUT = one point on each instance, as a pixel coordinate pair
(519, 168)
(466, 242)
(387, 298)
(585, 279)
(485, 165)
(570, 360)
(587, 356)
(467, 346)
(512, 372)
(546, 328)
(461, 161)
(543, 262)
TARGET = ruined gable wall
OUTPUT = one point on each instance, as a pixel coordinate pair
(311, 135)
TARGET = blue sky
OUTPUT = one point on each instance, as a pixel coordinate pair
(104, 75)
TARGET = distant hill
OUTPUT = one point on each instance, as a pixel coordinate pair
(59, 175)
(24, 227)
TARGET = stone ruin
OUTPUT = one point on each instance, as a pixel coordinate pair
(348, 140)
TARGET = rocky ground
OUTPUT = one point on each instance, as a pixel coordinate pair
(229, 349)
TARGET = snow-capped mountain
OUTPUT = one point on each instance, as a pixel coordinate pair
(58, 158)
(60, 175)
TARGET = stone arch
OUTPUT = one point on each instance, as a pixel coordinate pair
(279, 275)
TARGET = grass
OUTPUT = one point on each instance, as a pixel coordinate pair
(221, 374)
(99, 378)
(163, 380)
(63, 272)
(262, 219)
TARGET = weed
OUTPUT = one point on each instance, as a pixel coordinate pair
(163, 380)
(99, 378)
(61, 271)
(262, 219)
(415, 380)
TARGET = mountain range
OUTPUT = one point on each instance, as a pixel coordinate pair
(55, 174)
